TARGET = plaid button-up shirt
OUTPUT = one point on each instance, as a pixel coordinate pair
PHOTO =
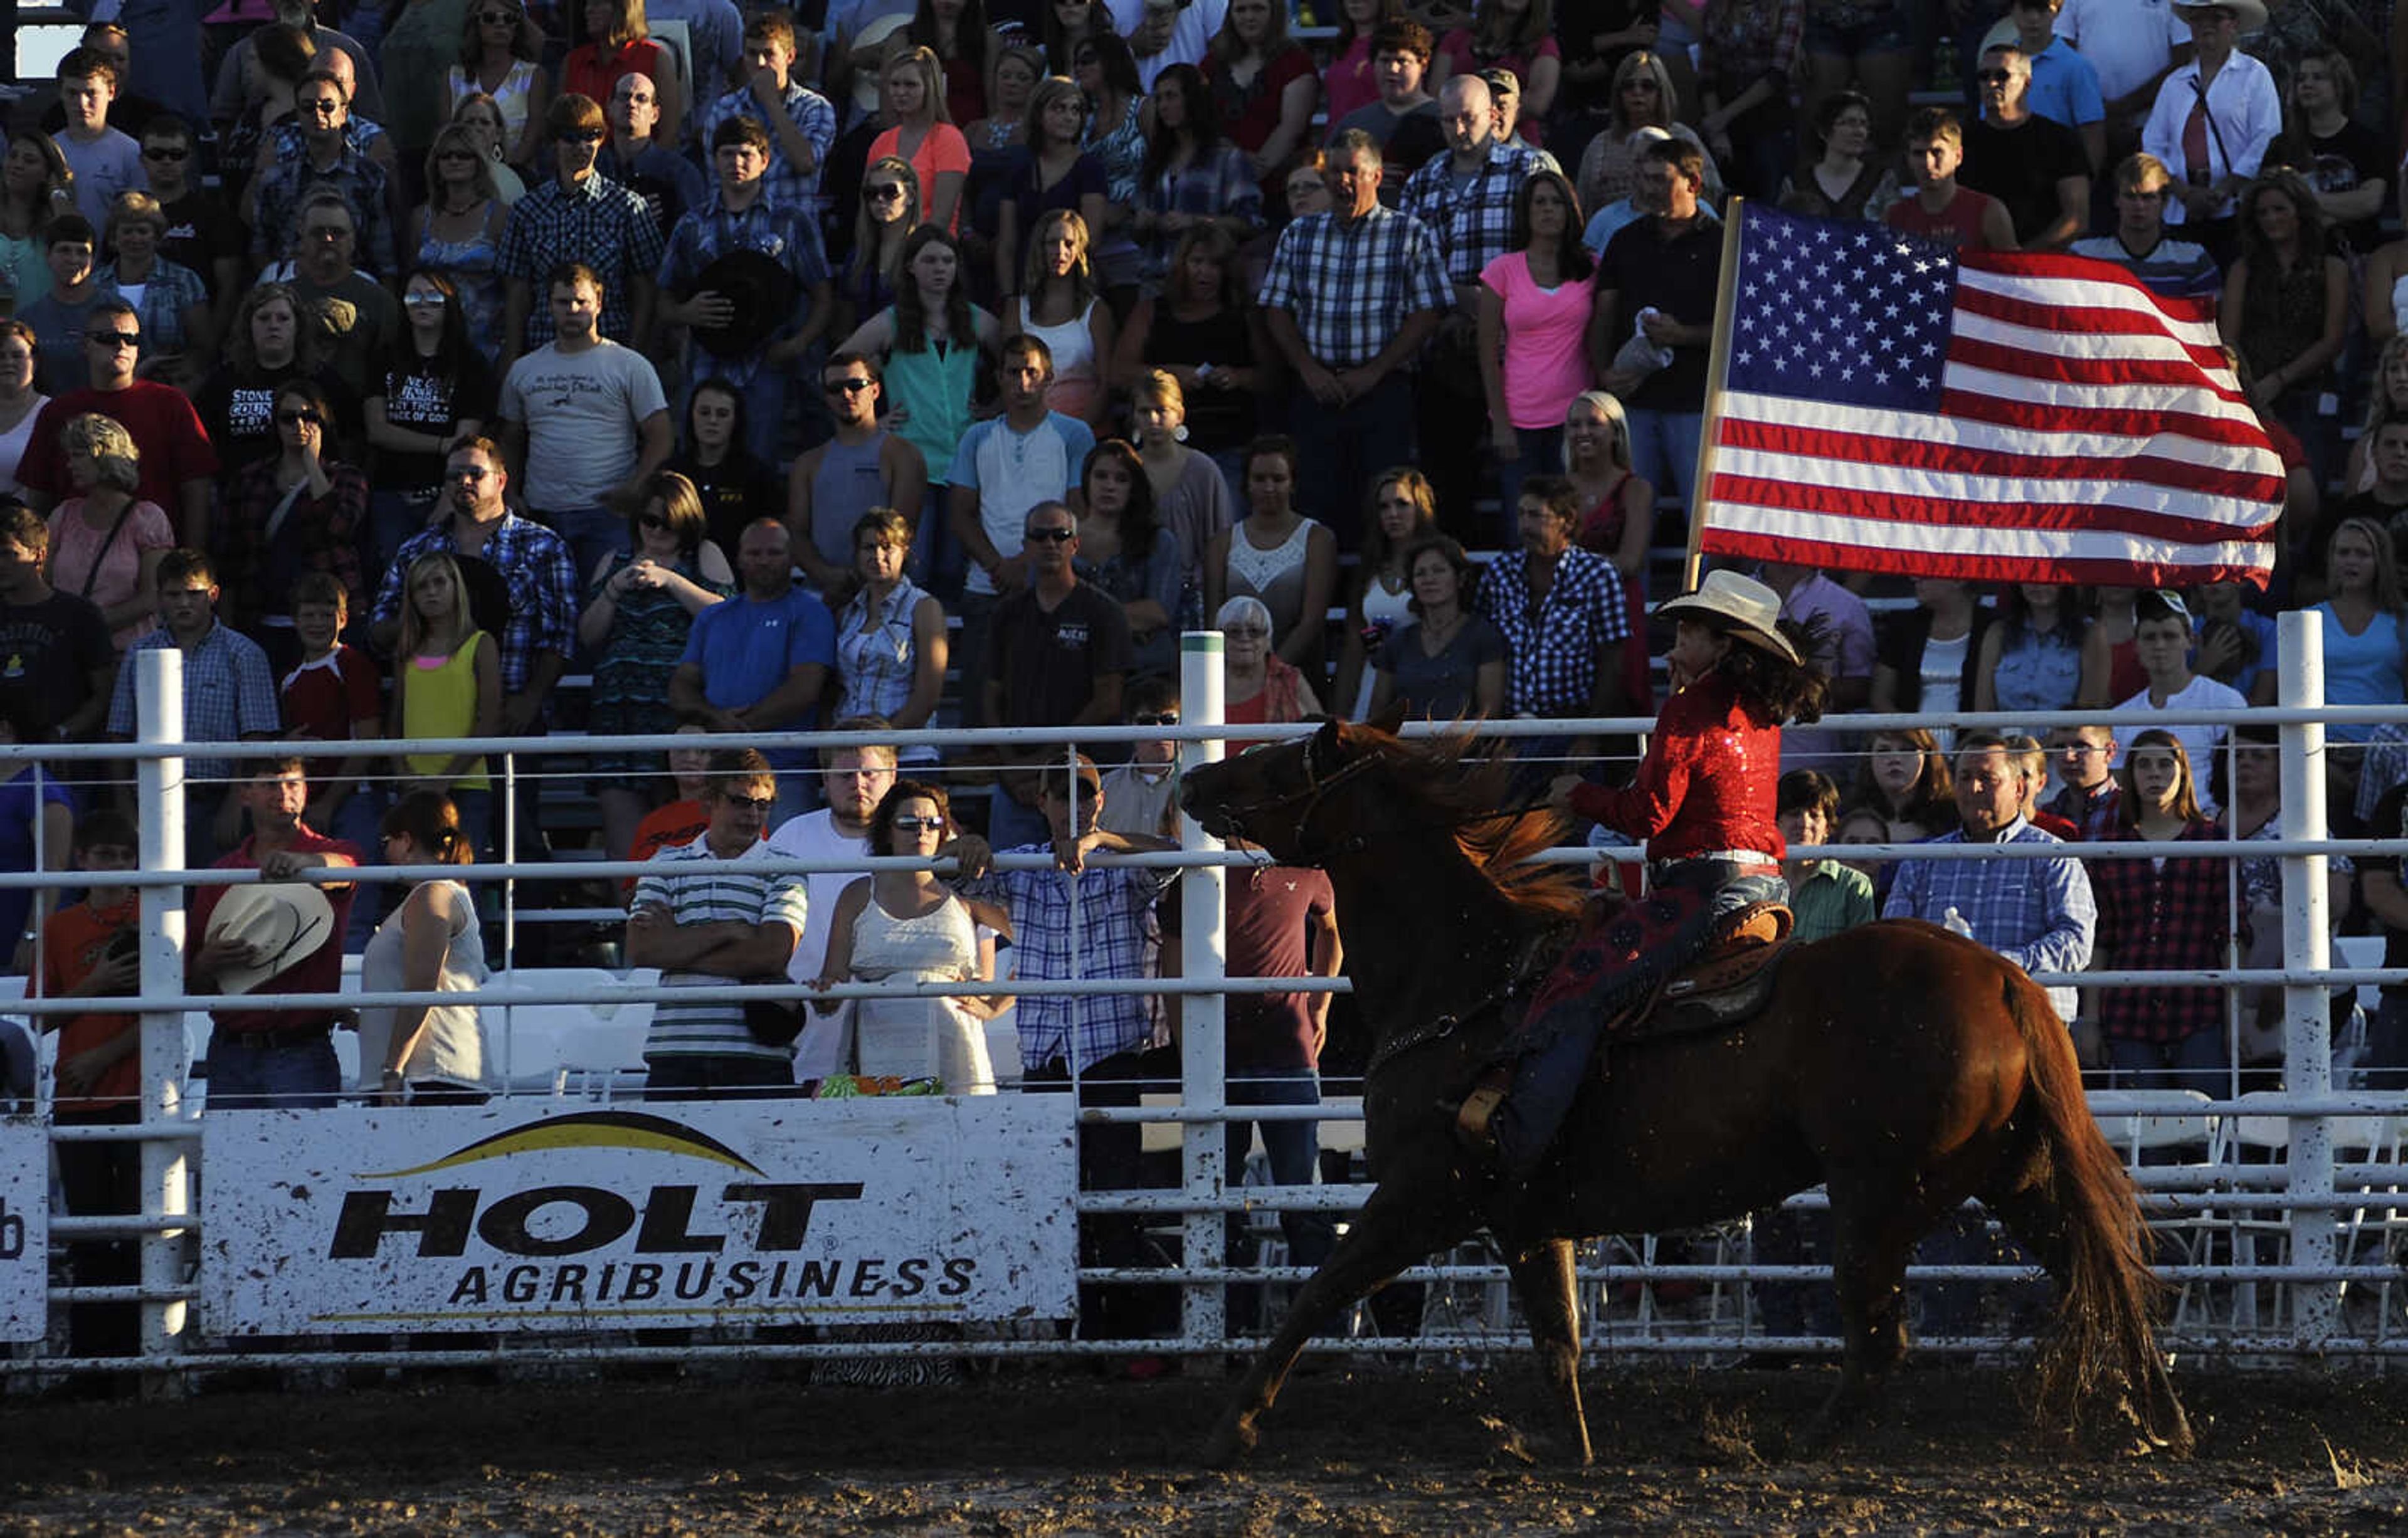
(1552, 643)
(229, 694)
(1115, 928)
(362, 181)
(1473, 220)
(780, 231)
(600, 223)
(812, 114)
(1350, 286)
(542, 581)
(2037, 914)
(2175, 916)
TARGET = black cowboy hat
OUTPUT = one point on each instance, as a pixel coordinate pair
(763, 292)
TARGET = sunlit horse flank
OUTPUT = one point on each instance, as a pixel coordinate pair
(1904, 1068)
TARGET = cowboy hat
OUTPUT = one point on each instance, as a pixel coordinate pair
(2248, 15)
(762, 291)
(1749, 610)
(284, 922)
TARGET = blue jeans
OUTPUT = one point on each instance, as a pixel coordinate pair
(393, 517)
(360, 820)
(1664, 451)
(2192, 1063)
(970, 653)
(272, 1073)
(1344, 447)
(1293, 1148)
(592, 533)
(1542, 454)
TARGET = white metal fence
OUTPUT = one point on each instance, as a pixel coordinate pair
(2274, 1208)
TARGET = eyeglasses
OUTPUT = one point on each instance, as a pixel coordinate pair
(883, 191)
(579, 135)
(1051, 536)
(1155, 717)
(469, 472)
(843, 387)
(652, 520)
(1246, 633)
(422, 300)
(1995, 77)
(114, 338)
(2077, 749)
(170, 152)
(298, 418)
(319, 107)
(446, 155)
(918, 825)
(751, 803)
(497, 17)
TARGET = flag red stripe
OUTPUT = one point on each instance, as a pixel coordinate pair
(1958, 459)
(2088, 320)
(2084, 269)
(1956, 512)
(2057, 368)
(2131, 424)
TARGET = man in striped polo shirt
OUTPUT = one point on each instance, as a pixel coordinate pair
(709, 918)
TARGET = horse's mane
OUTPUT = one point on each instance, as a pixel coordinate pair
(1463, 796)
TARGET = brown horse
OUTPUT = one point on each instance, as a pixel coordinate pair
(1902, 1067)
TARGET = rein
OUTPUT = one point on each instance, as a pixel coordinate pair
(1439, 1027)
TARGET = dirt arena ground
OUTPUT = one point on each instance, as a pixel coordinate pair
(1369, 1451)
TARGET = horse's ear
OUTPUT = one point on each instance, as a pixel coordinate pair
(1327, 743)
(1390, 720)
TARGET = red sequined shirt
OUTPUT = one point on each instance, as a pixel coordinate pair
(1709, 782)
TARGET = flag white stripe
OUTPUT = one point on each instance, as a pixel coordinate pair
(2057, 397)
(2004, 542)
(1968, 433)
(2089, 345)
(2074, 296)
(1992, 491)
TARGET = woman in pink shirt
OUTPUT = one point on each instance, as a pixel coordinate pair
(1349, 83)
(924, 134)
(1534, 309)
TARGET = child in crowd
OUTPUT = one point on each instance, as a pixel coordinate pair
(447, 682)
(682, 819)
(335, 694)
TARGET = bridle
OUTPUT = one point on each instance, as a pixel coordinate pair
(1317, 786)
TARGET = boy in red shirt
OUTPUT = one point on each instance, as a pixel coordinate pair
(89, 951)
(333, 696)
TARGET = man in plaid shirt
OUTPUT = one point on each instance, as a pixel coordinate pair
(2037, 914)
(1350, 298)
(580, 215)
(800, 121)
(1467, 199)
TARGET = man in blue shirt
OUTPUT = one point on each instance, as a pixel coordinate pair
(2064, 85)
(759, 661)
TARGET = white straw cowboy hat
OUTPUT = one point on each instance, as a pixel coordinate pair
(286, 920)
(2248, 15)
(1750, 611)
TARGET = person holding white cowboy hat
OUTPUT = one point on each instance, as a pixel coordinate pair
(1706, 801)
(2213, 119)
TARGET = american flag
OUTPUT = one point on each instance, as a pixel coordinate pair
(1892, 406)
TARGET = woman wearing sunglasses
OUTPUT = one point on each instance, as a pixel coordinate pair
(909, 927)
(298, 510)
(640, 609)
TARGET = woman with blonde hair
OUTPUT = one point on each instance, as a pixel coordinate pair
(36, 185)
(2169, 913)
(913, 89)
(106, 542)
(481, 117)
(1620, 515)
(2365, 626)
(1191, 496)
(20, 403)
(171, 303)
(1060, 306)
(500, 50)
(618, 42)
(457, 232)
(1641, 96)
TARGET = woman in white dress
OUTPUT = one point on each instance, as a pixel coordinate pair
(425, 1055)
(906, 926)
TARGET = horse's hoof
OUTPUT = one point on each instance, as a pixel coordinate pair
(1229, 1444)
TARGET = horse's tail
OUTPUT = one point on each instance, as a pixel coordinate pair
(2106, 1324)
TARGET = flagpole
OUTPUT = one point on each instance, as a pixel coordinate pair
(1717, 373)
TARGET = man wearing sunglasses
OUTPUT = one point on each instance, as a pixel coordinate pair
(179, 467)
(707, 920)
(201, 233)
(2035, 166)
(239, 79)
(669, 183)
(581, 216)
(327, 162)
(862, 466)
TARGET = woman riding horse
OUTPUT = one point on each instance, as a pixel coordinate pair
(1704, 800)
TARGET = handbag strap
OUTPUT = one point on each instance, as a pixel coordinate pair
(108, 541)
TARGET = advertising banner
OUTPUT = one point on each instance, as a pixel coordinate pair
(548, 1217)
(24, 1230)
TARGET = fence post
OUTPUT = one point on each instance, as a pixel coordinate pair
(2307, 945)
(1203, 1058)
(159, 790)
